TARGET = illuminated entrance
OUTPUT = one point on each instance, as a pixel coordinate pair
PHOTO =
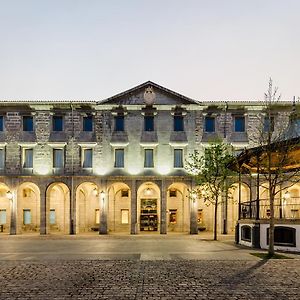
(148, 218)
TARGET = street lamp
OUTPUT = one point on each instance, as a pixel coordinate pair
(9, 195)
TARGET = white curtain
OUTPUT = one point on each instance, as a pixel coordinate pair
(178, 161)
(149, 158)
(119, 158)
(28, 162)
(87, 158)
(58, 158)
(2, 158)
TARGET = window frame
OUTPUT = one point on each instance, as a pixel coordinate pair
(235, 123)
(24, 151)
(146, 127)
(2, 126)
(63, 157)
(174, 161)
(176, 127)
(122, 150)
(27, 117)
(84, 119)
(83, 150)
(3, 157)
(62, 123)
(212, 118)
(153, 164)
(117, 119)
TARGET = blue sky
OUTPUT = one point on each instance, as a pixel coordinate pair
(93, 49)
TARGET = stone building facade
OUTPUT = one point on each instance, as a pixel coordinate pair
(115, 165)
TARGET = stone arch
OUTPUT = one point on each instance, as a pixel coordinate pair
(119, 208)
(5, 209)
(148, 207)
(291, 202)
(87, 207)
(178, 210)
(58, 208)
(28, 208)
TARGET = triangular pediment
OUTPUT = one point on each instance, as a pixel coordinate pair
(148, 93)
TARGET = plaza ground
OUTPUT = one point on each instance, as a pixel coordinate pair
(150, 266)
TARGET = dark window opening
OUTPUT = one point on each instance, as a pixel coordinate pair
(149, 123)
(268, 124)
(1, 123)
(283, 236)
(57, 123)
(246, 233)
(239, 124)
(124, 193)
(27, 123)
(209, 124)
(88, 123)
(178, 123)
(119, 123)
(173, 193)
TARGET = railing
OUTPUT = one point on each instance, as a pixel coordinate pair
(288, 209)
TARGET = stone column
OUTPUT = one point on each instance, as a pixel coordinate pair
(103, 208)
(163, 208)
(13, 212)
(193, 214)
(224, 211)
(43, 211)
(133, 209)
(72, 208)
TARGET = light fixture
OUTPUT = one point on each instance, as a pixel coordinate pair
(287, 195)
(148, 191)
(95, 192)
(102, 193)
(9, 195)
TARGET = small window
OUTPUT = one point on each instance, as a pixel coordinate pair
(52, 216)
(26, 216)
(1, 123)
(239, 124)
(268, 124)
(124, 193)
(178, 123)
(88, 123)
(283, 236)
(119, 123)
(210, 124)
(149, 123)
(27, 123)
(97, 216)
(173, 216)
(87, 158)
(57, 123)
(173, 193)
(149, 163)
(119, 158)
(246, 233)
(28, 158)
(2, 158)
(124, 216)
(2, 216)
(58, 158)
(178, 158)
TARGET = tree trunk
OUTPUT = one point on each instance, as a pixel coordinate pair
(215, 221)
(271, 229)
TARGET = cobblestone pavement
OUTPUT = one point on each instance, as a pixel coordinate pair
(136, 279)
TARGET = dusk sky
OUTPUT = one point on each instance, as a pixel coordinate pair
(93, 49)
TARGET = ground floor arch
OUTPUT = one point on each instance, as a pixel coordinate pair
(5, 209)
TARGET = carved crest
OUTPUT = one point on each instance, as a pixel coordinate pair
(149, 95)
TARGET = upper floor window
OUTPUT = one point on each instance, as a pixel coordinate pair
(28, 158)
(1, 123)
(58, 158)
(57, 123)
(239, 124)
(178, 158)
(149, 123)
(149, 162)
(268, 124)
(119, 123)
(2, 158)
(119, 158)
(88, 123)
(178, 123)
(87, 158)
(27, 123)
(210, 124)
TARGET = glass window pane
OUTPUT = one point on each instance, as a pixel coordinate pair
(52, 217)
(178, 123)
(119, 158)
(149, 163)
(87, 158)
(149, 123)
(178, 159)
(1, 123)
(58, 158)
(26, 216)
(57, 123)
(119, 123)
(28, 159)
(124, 216)
(88, 123)
(2, 158)
(209, 124)
(2, 216)
(27, 123)
(239, 124)
(268, 124)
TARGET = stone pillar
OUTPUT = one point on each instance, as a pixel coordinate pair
(133, 209)
(193, 215)
(103, 208)
(72, 208)
(13, 212)
(43, 211)
(224, 212)
(163, 208)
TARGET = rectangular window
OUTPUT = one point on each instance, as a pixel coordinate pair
(52, 217)
(149, 123)
(2, 216)
(27, 123)
(57, 123)
(268, 124)
(87, 123)
(178, 158)
(97, 216)
(178, 123)
(173, 216)
(87, 158)
(119, 123)
(149, 163)
(28, 158)
(173, 193)
(58, 158)
(119, 158)
(124, 193)
(239, 124)
(210, 124)
(26, 216)
(2, 158)
(124, 216)
(1, 123)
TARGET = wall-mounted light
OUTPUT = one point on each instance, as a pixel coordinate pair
(287, 195)
(9, 195)
(102, 193)
(148, 191)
